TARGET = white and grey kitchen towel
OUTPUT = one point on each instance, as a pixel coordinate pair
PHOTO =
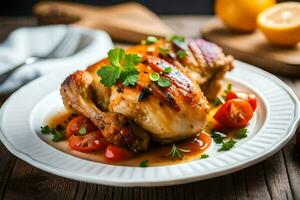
(30, 41)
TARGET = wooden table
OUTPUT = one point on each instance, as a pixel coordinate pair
(275, 178)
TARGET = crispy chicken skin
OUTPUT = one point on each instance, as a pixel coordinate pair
(129, 115)
(76, 93)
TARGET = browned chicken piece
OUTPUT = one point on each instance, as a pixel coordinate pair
(116, 128)
(212, 65)
(205, 63)
(167, 114)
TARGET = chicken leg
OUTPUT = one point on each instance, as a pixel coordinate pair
(116, 128)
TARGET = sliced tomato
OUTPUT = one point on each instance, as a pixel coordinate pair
(115, 153)
(80, 122)
(250, 98)
(235, 113)
(89, 142)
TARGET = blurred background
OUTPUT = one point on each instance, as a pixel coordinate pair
(23, 7)
(189, 7)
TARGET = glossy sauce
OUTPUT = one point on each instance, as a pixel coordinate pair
(156, 155)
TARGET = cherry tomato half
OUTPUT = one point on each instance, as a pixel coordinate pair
(235, 113)
(80, 122)
(250, 98)
(89, 142)
(115, 153)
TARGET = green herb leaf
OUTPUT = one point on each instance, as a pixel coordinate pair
(131, 79)
(217, 136)
(116, 56)
(241, 133)
(150, 40)
(144, 163)
(46, 129)
(109, 75)
(164, 82)
(229, 88)
(58, 136)
(82, 131)
(177, 38)
(203, 156)
(164, 51)
(217, 101)
(154, 76)
(58, 132)
(177, 152)
(122, 67)
(168, 70)
(181, 54)
(227, 145)
(131, 60)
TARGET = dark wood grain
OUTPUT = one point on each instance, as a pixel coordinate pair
(276, 178)
(27, 182)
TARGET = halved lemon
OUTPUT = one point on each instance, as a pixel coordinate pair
(281, 23)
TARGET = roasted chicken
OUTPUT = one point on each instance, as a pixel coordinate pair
(131, 115)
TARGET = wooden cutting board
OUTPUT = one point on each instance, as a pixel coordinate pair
(253, 48)
(129, 22)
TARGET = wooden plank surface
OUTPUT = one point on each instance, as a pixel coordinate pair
(276, 178)
(254, 48)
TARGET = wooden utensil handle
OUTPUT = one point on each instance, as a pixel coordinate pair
(129, 21)
(66, 13)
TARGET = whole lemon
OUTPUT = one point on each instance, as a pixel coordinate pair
(241, 14)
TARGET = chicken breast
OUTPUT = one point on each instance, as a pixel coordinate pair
(166, 114)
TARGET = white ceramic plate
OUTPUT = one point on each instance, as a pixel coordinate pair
(274, 124)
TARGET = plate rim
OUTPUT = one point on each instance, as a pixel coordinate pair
(171, 180)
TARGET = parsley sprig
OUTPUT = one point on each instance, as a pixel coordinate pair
(203, 156)
(181, 54)
(144, 163)
(58, 133)
(218, 101)
(123, 67)
(228, 88)
(241, 133)
(177, 152)
(217, 136)
(177, 38)
(227, 145)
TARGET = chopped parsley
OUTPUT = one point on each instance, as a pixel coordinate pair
(227, 145)
(203, 156)
(217, 101)
(168, 70)
(177, 152)
(149, 40)
(229, 88)
(241, 133)
(58, 134)
(123, 67)
(154, 76)
(164, 51)
(46, 129)
(217, 136)
(82, 131)
(164, 82)
(181, 54)
(144, 163)
(177, 38)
